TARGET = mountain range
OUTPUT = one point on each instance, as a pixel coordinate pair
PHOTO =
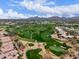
(54, 18)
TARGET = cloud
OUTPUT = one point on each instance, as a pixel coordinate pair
(36, 6)
(56, 10)
(10, 14)
(1, 11)
(41, 7)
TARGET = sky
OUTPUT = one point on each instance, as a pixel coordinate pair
(14, 9)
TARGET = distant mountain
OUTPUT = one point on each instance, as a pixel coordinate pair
(54, 18)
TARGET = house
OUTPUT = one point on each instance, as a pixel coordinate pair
(62, 33)
(7, 49)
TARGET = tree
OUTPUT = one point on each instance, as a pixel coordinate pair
(0, 45)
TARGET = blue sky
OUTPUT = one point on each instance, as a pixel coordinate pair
(41, 8)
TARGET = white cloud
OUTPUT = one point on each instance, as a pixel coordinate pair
(10, 14)
(41, 6)
(1, 11)
(56, 10)
(71, 15)
(36, 6)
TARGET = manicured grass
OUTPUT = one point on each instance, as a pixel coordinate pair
(57, 50)
(33, 54)
(39, 32)
(33, 31)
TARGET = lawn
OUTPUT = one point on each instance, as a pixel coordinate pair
(32, 31)
(57, 50)
(39, 32)
(33, 54)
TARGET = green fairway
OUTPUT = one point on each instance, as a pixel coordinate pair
(38, 32)
(33, 54)
(33, 31)
(57, 50)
